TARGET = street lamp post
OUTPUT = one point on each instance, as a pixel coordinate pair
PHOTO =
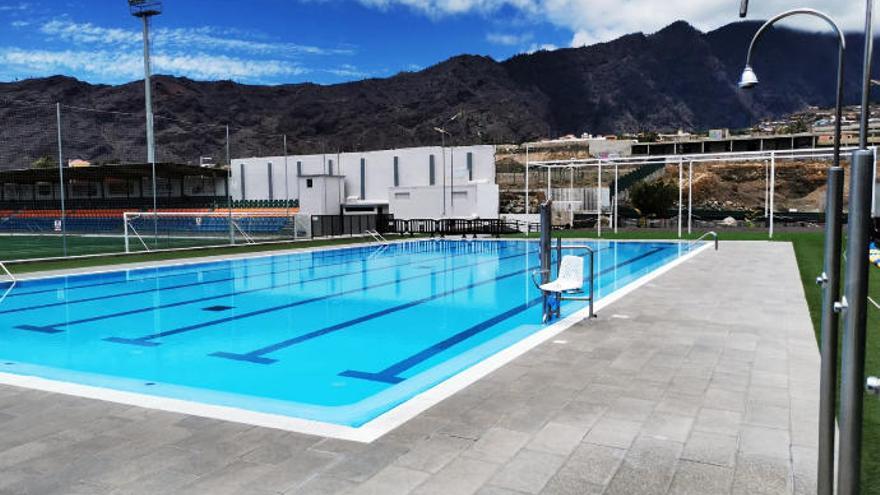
(830, 278)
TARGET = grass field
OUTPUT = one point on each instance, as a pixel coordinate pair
(807, 247)
(14, 247)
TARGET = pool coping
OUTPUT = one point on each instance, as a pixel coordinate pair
(373, 429)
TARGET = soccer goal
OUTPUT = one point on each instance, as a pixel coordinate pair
(156, 230)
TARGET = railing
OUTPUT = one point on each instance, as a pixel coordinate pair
(707, 234)
(8, 273)
(12, 279)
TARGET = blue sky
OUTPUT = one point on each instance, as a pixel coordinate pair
(322, 41)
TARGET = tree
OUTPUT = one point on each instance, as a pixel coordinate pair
(653, 199)
(44, 161)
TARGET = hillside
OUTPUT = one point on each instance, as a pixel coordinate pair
(675, 78)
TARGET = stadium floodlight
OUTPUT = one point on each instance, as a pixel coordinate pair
(144, 10)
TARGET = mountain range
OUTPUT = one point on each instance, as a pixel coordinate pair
(676, 78)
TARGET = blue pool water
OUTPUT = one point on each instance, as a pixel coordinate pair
(339, 336)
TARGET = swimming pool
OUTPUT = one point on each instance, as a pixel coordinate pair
(334, 337)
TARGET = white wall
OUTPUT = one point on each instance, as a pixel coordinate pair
(324, 197)
(413, 171)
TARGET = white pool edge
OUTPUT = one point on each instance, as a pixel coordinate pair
(369, 431)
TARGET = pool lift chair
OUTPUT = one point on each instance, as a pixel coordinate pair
(569, 283)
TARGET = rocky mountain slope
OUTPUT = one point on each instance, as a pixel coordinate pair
(675, 78)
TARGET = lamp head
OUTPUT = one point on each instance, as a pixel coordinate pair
(748, 80)
(743, 8)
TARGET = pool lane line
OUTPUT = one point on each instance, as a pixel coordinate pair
(153, 289)
(148, 340)
(232, 265)
(256, 356)
(54, 327)
(391, 374)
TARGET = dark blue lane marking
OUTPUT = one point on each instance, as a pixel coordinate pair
(257, 355)
(53, 327)
(392, 373)
(231, 265)
(171, 287)
(147, 340)
(218, 307)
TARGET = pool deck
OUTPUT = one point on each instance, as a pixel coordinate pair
(703, 381)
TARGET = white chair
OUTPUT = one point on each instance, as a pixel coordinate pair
(570, 278)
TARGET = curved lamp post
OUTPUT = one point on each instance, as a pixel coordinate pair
(830, 278)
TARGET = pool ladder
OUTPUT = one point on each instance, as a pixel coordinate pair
(376, 236)
(712, 234)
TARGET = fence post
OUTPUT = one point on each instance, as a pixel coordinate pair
(527, 182)
(229, 192)
(680, 191)
(61, 182)
(690, 195)
(616, 192)
(772, 189)
(599, 201)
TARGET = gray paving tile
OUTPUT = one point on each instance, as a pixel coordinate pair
(757, 475)
(764, 442)
(393, 480)
(711, 448)
(693, 478)
(528, 472)
(462, 476)
(668, 427)
(434, 453)
(613, 432)
(498, 445)
(647, 469)
(557, 438)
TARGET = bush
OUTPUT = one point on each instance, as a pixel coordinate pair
(653, 199)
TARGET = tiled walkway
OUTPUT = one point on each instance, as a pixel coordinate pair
(704, 381)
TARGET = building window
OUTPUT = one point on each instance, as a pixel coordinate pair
(271, 189)
(329, 167)
(241, 174)
(309, 183)
(363, 178)
(431, 179)
(396, 172)
(299, 169)
(470, 165)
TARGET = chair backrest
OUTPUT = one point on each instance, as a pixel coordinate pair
(572, 270)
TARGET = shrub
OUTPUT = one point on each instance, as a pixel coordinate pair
(653, 199)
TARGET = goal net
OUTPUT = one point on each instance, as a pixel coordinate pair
(146, 231)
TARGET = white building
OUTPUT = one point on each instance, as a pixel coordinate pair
(407, 183)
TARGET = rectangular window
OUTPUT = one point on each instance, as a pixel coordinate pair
(363, 178)
(401, 195)
(299, 169)
(396, 172)
(271, 189)
(309, 183)
(470, 165)
(329, 167)
(431, 180)
(241, 174)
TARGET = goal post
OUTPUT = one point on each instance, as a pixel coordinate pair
(147, 230)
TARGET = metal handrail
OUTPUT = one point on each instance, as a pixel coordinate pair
(707, 234)
(377, 236)
(592, 254)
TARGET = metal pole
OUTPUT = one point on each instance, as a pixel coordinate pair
(544, 251)
(772, 189)
(527, 181)
(766, 186)
(680, 192)
(228, 192)
(61, 181)
(443, 153)
(855, 319)
(690, 196)
(830, 281)
(616, 192)
(148, 92)
(599, 200)
(286, 182)
(452, 178)
(549, 180)
(571, 195)
(866, 74)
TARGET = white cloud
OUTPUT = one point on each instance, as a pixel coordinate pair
(592, 21)
(111, 65)
(15, 7)
(534, 47)
(19, 24)
(204, 38)
(507, 39)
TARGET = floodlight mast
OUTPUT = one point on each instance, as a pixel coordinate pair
(145, 9)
